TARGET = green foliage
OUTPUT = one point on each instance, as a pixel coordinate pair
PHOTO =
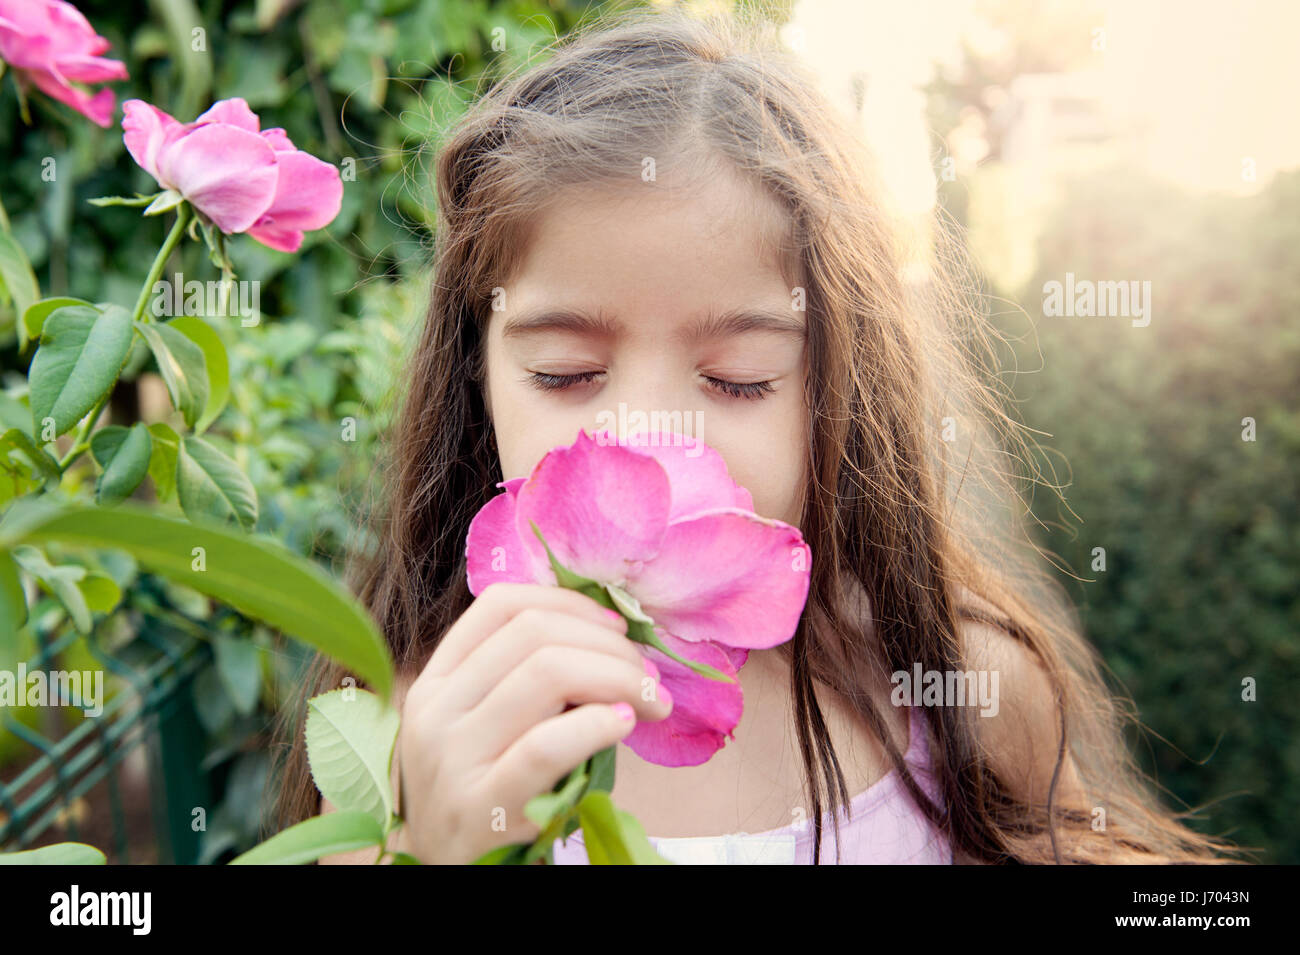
(1202, 558)
(272, 422)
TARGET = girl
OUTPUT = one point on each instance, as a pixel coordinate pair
(666, 215)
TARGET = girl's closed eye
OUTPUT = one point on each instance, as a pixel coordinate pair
(749, 390)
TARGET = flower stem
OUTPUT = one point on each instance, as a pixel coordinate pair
(81, 443)
(160, 260)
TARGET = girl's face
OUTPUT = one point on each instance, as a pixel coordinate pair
(653, 309)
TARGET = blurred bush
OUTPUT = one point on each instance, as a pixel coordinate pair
(1200, 526)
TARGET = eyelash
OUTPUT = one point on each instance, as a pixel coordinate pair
(750, 391)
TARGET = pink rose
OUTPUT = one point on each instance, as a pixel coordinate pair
(660, 519)
(51, 45)
(242, 177)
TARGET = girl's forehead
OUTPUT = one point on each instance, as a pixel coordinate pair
(727, 234)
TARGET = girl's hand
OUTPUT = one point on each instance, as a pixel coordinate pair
(487, 725)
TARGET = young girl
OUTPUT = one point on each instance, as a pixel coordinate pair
(665, 216)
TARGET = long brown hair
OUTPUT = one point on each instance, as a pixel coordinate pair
(912, 454)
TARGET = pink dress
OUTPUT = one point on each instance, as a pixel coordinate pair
(885, 828)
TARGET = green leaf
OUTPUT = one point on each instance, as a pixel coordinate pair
(563, 575)
(215, 360)
(39, 462)
(61, 853)
(350, 739)
(139, 200)
(164, 201)
(123, 454)
(640, 629)
(259, 578)
(163, 459)
(405, 858)
(212, 703)
(17, 276)
(211, 485)
(100, 592)
(544, 807)
(239, 665)
(13, 604)
(318, 836)
(614, 837)
(626, 604)
(61, 582)
(181, 364)
(82, 350)
(512, 854)
(36, 314)
(602, 770)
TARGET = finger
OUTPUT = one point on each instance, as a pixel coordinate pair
(550, 678)
(493, 608)
(525, 634)
(548, 752)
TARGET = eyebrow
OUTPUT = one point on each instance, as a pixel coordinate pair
(715, 325)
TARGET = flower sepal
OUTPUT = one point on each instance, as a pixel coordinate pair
(640, 627)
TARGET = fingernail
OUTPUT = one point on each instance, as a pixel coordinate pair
(625, 711)
(650, 667)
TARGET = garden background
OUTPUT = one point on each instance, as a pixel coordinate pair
(1030, 150)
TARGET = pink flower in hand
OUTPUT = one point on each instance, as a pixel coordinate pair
(242, 177)
(52, 46)
(658, 519)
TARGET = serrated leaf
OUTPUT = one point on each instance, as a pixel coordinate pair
(350, 739)
(82, 349)
(211, 485)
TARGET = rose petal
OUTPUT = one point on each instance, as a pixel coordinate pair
(228, 173)
(279, 140)
(600, 509)
(91, 69)
(493, 552)
(697, 473)
(309, 194)
(705, 712)
(727, 576)
(233, 112)
(97, 108)
(144, 127)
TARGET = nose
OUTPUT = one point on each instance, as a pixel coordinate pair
(650, 395)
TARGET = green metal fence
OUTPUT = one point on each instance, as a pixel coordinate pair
(151, 706)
